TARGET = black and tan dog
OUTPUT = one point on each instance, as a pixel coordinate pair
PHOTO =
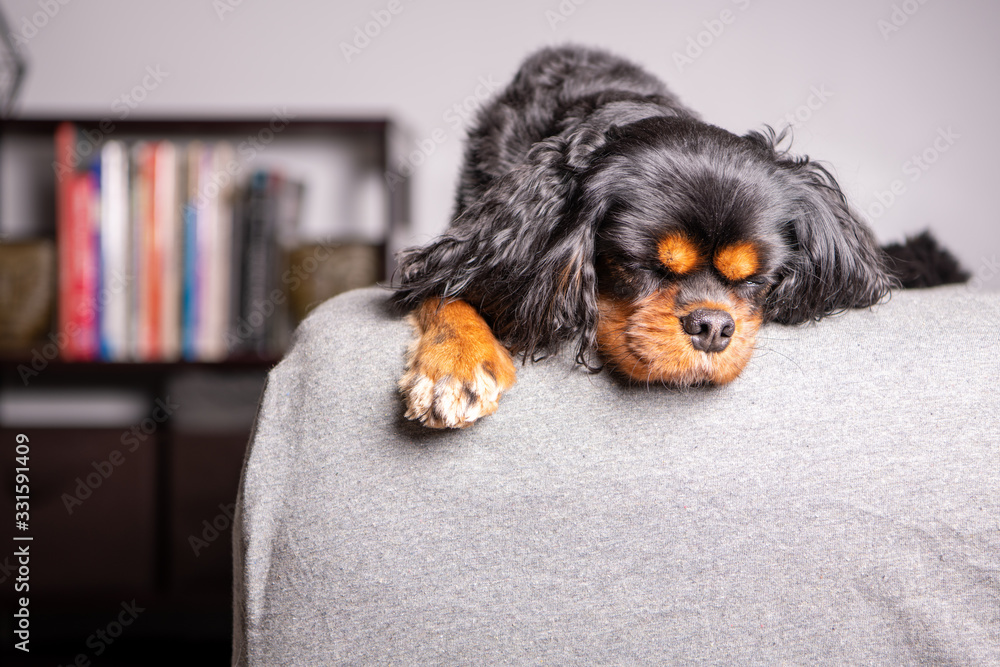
(594, 209)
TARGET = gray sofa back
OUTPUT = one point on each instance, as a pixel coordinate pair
(837, 504)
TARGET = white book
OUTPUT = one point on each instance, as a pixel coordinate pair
(219, 192)
(205, 212)
(116, 266)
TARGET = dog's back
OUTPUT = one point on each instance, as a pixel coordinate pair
(554, 89)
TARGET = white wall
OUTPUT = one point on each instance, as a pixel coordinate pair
(882, 94)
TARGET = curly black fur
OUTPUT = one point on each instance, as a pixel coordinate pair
(575, 170)
(922, 262)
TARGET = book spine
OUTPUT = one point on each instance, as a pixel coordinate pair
(96, 258)
(115, 253)
(192, 222)
(69, 253)
(218, 252)
(81, 288)
(135, 223)
(169, 243)
(251, 329)
(207, 248)
(147, 259)
(190, 329)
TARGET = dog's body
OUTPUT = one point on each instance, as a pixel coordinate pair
(595, 209)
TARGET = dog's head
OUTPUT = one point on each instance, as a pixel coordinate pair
(705, 236)
(663, 243)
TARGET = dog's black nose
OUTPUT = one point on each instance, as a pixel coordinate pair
(710, 330)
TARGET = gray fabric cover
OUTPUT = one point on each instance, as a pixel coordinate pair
(838, 504)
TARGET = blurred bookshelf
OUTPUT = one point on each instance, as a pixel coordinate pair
(151, 273)
(191, 239)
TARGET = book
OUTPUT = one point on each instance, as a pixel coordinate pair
(145, 295)
(77, 256)
(257, 263)
(167, 241)
(162, 256)
(207, 219)
(268, 216)
(65, 148)
(217, 257)
(115, 248)
(191, 298)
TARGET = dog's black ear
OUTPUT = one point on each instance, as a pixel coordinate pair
(522, 253)
(835, 262)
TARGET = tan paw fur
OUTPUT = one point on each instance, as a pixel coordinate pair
(456, 370)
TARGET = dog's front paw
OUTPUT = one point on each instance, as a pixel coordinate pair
(456, 369)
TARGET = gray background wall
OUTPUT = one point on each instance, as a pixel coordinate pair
(894, 94)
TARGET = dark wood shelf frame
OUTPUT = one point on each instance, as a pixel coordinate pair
(168, 602)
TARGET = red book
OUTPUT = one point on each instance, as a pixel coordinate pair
(81, 298)
(76, 207)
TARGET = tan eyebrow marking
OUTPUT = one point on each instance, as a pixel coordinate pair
(678, 253)
(738, 261)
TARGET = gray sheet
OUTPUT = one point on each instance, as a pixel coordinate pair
(838, 504)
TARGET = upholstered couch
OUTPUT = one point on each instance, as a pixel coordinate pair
(839, 503)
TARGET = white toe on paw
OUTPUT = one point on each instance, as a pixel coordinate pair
(450, 402)
(455, 369)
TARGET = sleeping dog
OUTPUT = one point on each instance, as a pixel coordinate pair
(594, 209)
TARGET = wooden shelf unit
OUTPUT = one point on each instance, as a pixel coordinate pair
(132, 538)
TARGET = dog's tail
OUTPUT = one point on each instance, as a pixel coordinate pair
(921, 262)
